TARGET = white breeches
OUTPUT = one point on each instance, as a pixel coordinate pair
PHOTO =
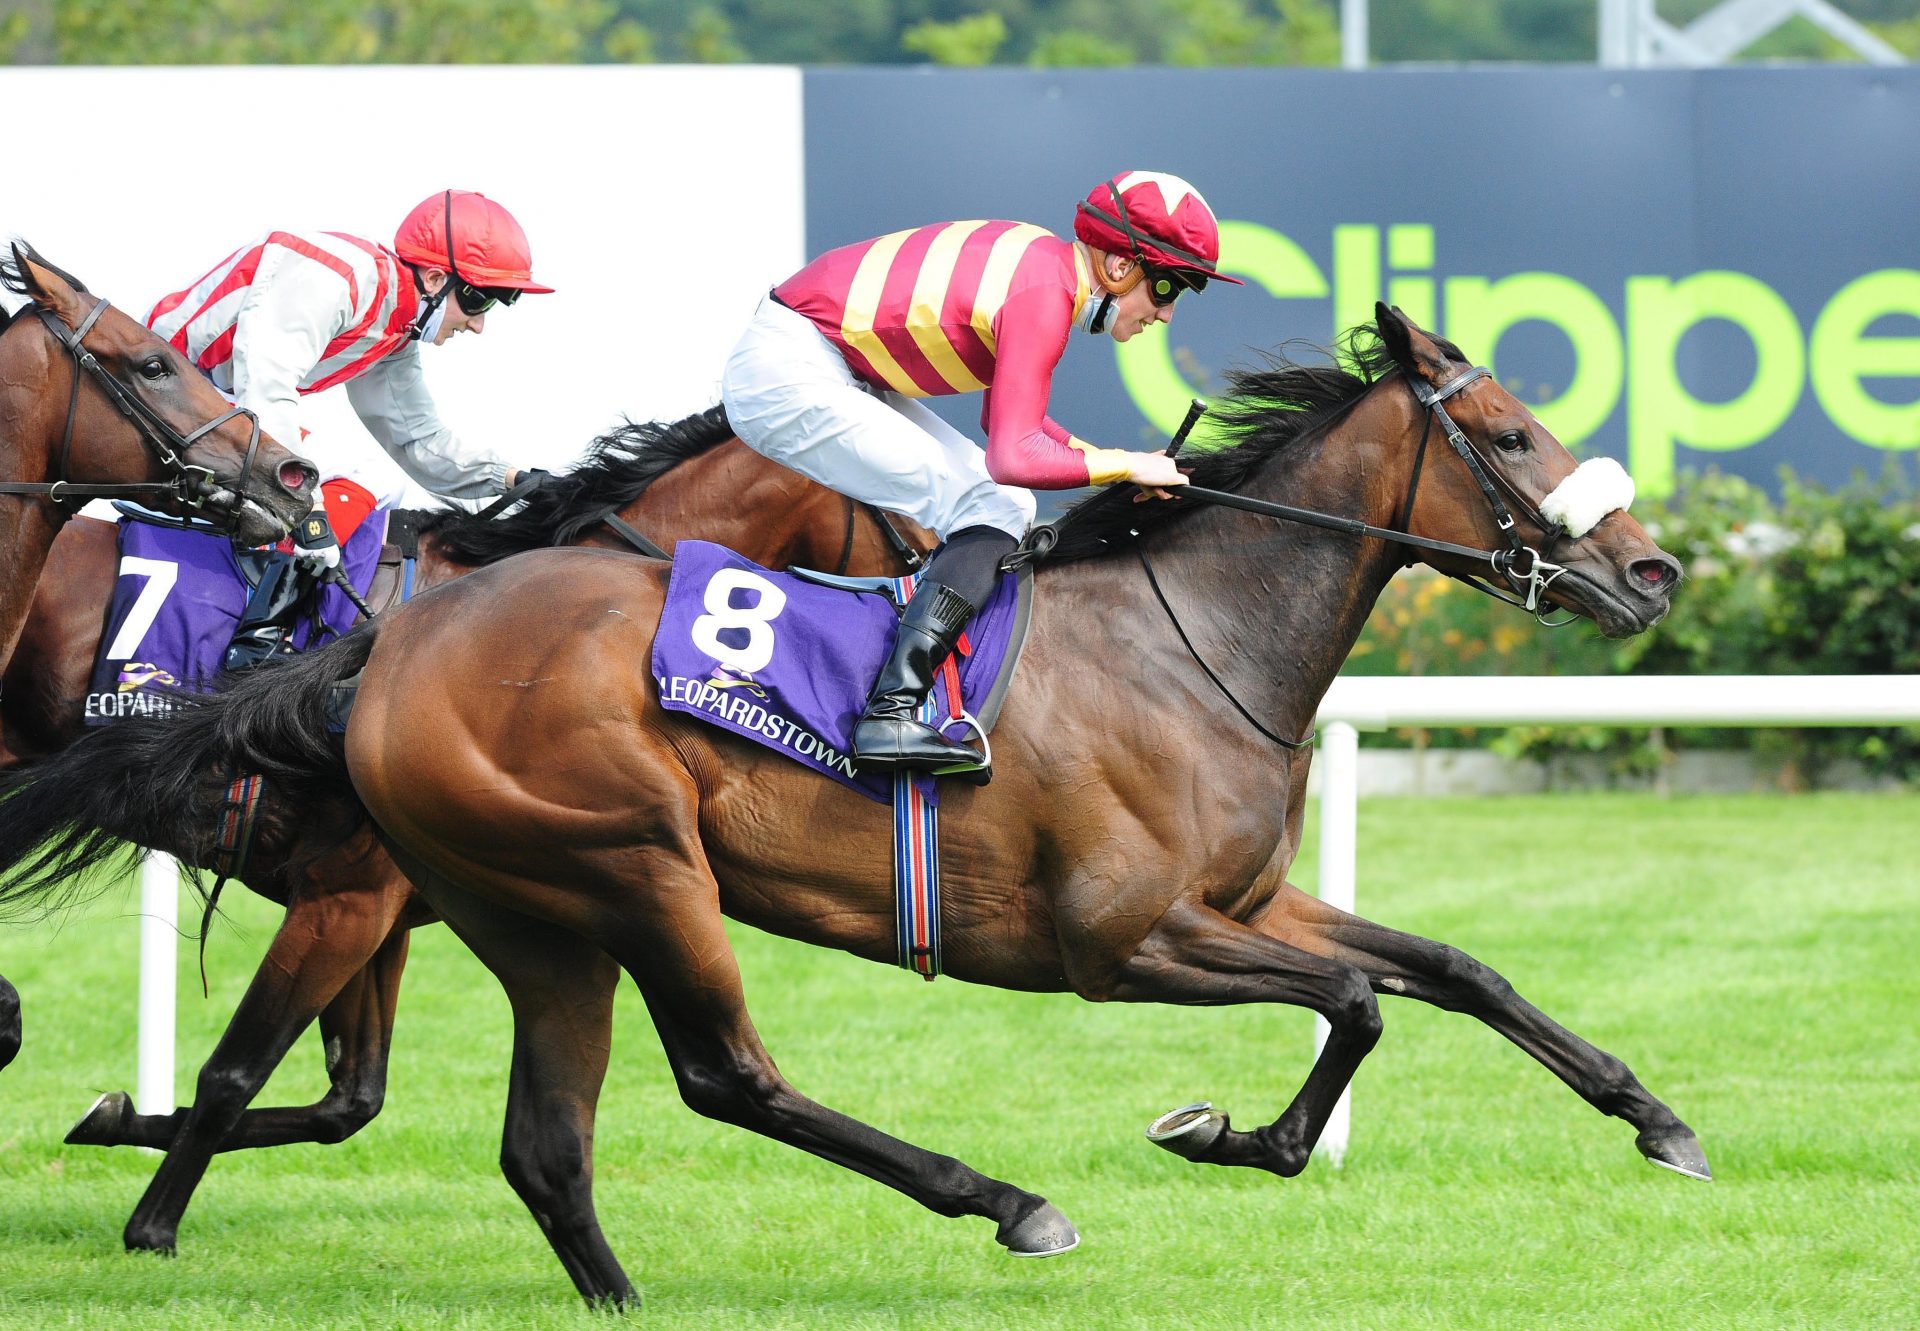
(791, 396)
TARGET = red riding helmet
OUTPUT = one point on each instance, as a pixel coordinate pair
(1156, 218)
(486, 247)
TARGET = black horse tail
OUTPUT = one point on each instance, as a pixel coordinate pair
(9, 1022)
(161, 781)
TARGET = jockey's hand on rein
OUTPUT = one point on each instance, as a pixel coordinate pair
(314, 544)
(1157, 475)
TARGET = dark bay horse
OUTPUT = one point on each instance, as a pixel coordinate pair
(90, 399)
(1133, 845)
(342, 948)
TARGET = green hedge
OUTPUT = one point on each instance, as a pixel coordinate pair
(1814, 582)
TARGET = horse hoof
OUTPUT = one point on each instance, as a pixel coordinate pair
(165, 1245)
(1678, 1150)
(103, 1124)
(1041, 1232)
(1189, 1131)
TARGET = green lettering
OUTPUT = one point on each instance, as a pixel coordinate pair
(1356, 274)
(1411, 246)
(1843, 355)
(1247, 249)
(1660, 411)
(1480, 312)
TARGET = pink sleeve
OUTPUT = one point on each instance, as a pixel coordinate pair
(1024, 446)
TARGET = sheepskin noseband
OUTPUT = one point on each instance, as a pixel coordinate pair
(1596, 488)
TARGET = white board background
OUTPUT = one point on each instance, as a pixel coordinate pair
(660, 202)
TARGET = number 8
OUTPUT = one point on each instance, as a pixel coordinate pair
(755, 620)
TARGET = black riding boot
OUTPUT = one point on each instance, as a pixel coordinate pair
(267, 622)
(889, 737)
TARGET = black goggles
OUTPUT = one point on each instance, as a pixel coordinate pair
(478, 300)
(1164, 285)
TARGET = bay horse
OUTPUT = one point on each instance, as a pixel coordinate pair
(93, 403)
(1133, 846)
(341, 950)
(668, 480)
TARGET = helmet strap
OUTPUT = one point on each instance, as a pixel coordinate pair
(1095, 319)
(432, 307)
(427, 319)
(429, 328)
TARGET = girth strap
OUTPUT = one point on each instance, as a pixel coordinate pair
(634, 537)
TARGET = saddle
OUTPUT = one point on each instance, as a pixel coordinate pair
(182, 594)
(786, 660)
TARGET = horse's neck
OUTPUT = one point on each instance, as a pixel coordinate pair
(27, 524)
(1272, 607)
(434, 566)
(27, 529)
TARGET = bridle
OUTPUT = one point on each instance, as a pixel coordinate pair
(193, 486)
(1519, 564)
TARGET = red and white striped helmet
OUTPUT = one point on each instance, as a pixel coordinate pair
(486, 247)
(1156, 218)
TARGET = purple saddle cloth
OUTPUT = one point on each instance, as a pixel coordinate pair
(788, 663)
(175, 606)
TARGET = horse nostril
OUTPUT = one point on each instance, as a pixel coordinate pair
(1654, 575)
(295, 475)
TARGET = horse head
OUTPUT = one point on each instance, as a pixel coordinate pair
(1491, 475)
(138, 411)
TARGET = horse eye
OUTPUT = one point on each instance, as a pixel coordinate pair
(153, 367)
(1514, 441)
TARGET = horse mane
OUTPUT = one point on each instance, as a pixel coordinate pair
(619, 465)
(1265, 409)
(15, 280)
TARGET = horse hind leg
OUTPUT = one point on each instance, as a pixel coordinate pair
(9, 1022)
(357, 1034)
(1414, 967)
(680, 957)
(322, 943)
(561, 988)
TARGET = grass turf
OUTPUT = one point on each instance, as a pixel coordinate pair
(1756, 960)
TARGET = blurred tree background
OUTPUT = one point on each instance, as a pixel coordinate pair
(1051, 33)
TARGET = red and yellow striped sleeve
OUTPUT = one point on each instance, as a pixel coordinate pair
(963, 307)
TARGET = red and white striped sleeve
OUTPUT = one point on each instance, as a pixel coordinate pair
(295, 305)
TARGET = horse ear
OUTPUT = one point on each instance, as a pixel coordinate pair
(1394, 331)
(1409, 345)
(47, 287)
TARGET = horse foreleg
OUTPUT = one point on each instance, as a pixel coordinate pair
(561, 988)
(678, 954)
(1415, 967)
(1195, 955)
(9, 1022)
(321, 944)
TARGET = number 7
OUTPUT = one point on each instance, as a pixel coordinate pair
(160, 575)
